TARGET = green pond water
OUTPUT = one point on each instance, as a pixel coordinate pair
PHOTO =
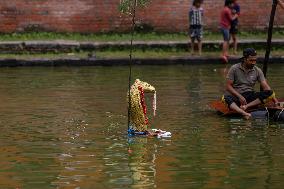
(66, 128)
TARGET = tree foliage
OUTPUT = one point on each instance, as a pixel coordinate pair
(127, 6)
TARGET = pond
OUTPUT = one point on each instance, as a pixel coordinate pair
(66, 127)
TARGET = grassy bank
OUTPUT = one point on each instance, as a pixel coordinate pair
(125, 54)
(51, 56)
(141, 52)
(151, 36)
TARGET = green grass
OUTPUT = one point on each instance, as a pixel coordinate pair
(89, 37)
(150, 36)
(172, 54)
(138, 53)
(27, 56)
(125, 54)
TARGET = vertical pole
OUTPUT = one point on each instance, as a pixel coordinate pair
(130, 59)
(269, 37)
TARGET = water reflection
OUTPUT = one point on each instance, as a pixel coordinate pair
(66, 128)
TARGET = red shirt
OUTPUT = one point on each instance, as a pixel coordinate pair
(226, 18)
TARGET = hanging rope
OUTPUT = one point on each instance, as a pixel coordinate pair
(131, 60)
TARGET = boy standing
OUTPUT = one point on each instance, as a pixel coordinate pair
(234, 24)
(196, 28)
(225, 24)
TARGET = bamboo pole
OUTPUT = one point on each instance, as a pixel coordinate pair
(269, 37)
(131, 60)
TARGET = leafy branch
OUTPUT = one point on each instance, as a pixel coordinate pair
(127, 6)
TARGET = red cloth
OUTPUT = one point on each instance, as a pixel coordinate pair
(226, 18)
(143, 104)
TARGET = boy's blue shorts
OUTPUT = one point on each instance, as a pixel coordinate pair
(196, 32)
(226, 34)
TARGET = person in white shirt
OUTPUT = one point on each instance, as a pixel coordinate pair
(196, 25)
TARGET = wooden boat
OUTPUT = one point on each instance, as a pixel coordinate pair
(274, 112)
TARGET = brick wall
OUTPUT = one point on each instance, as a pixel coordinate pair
(103, 15)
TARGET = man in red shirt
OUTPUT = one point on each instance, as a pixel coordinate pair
(281, 3)
(225, 24)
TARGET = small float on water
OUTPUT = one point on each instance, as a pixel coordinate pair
(152, 132)
(270, 111)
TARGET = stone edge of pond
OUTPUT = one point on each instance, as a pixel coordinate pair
(66, 46)
(123, 61)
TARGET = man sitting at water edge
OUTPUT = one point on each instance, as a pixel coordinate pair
(241, 78)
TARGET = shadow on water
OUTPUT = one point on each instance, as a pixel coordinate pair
(66, 128)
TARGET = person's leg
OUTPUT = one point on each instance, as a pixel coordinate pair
(235, 43)
(233, 36)
(193, 35)
(199, 47)
(191, 40)
(227, 40)
(235, 107)
(255, 99)
(225, 46)
(233, 103)
(225, 49)
(251, 104)
(199, 38)
(192, 45)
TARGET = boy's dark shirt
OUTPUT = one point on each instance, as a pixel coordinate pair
(237, 8)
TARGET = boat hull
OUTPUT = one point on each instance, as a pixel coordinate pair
(270, 110)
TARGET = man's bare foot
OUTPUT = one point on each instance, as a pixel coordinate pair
(224, 59)
(247, 116)
(243, 107)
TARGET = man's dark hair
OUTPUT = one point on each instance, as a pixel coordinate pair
(197, 1)
(249, 52)
(228, 2)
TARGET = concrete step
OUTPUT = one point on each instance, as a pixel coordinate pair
(125, 61)
(62, 46)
